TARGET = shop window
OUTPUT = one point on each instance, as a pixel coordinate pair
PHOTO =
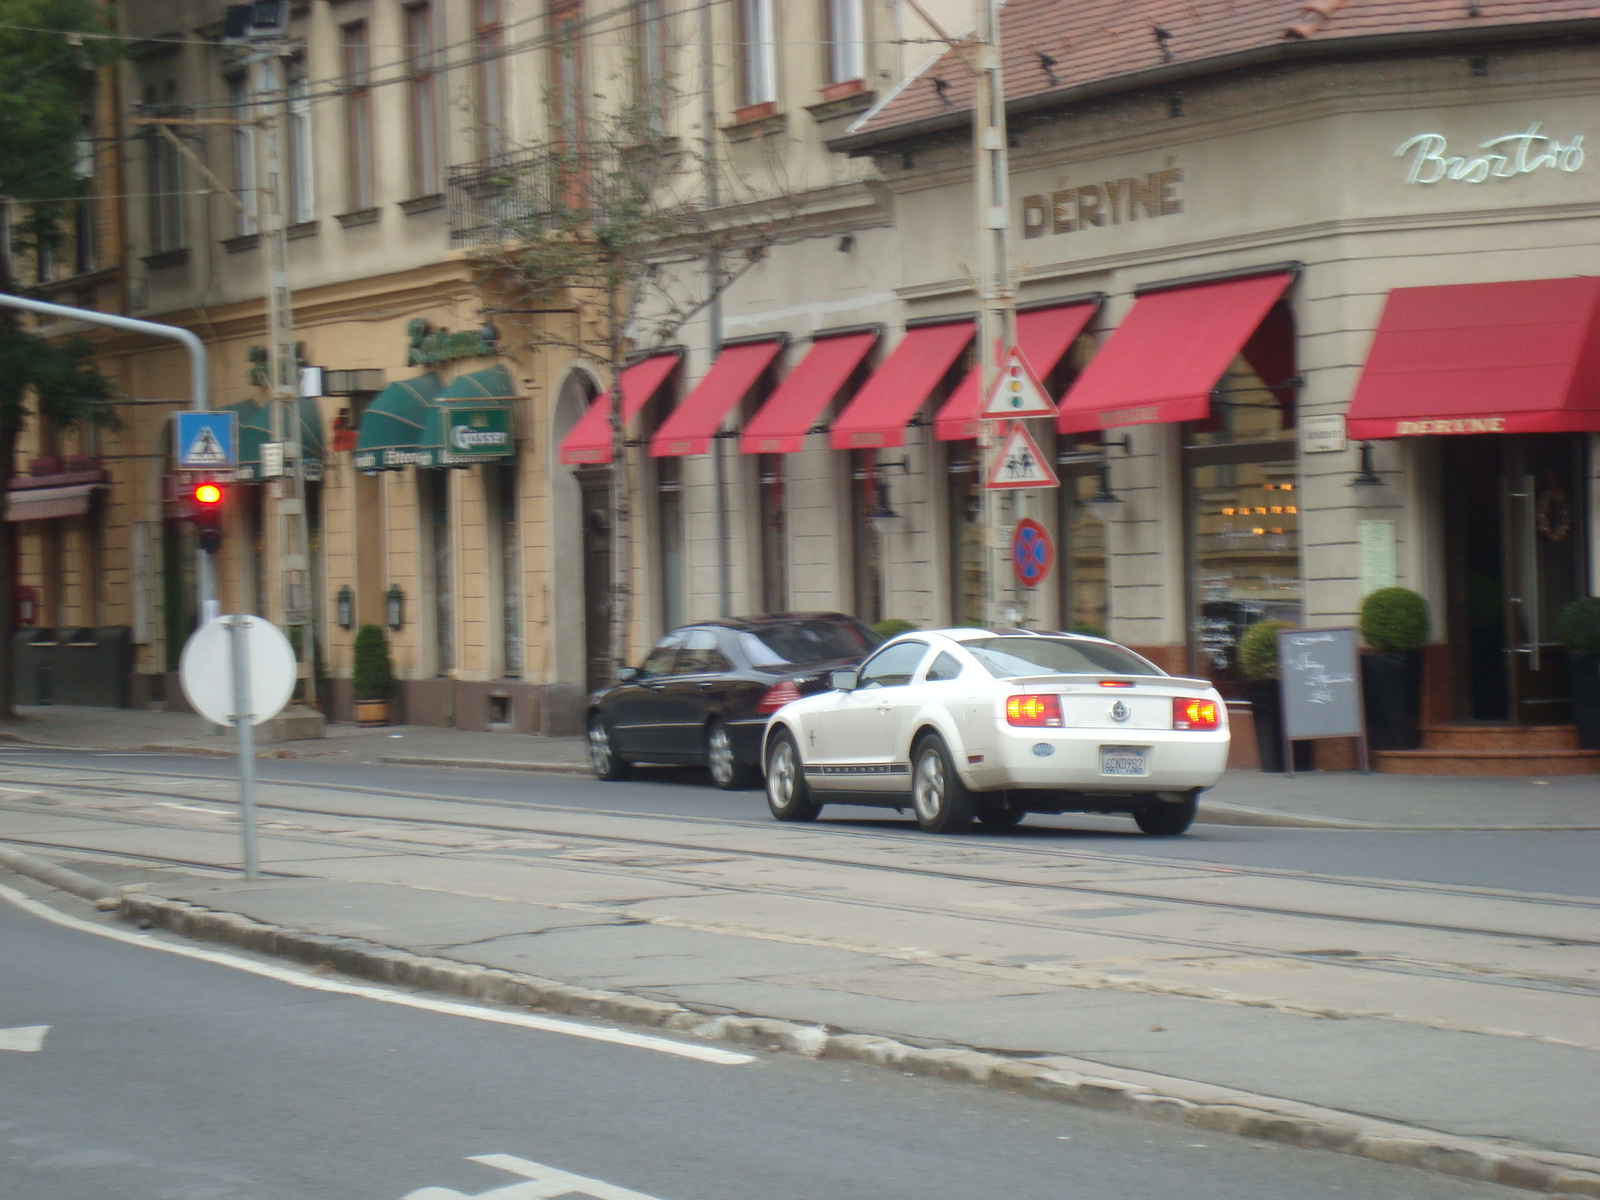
(502, 481)
(868, 542)
(433, 489)
(669, 514)
(1243, 509)
(774, 534)
(1081, 552)
(965, 517)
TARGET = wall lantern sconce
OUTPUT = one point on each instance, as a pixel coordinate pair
(1103, 504)
(883, 518)
(395, 605)
(345, 603)
(1367, 476)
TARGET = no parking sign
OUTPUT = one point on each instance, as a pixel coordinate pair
(1032, 555)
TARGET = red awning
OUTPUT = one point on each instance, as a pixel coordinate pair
(886, 402)
(1044, 334)
(690, 427)
(1520, 357)
(791, 411)
(589, 441)
(1165, 358)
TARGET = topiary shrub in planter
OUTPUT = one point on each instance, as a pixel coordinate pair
(1394, 622)
(1258, 659)
(1578, 629)
(372, 676)
(893, 627)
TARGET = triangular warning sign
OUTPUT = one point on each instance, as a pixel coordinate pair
(1017, 392)
(1020, 465)
(205, 450)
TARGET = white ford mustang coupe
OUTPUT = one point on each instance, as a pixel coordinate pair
(963, 723)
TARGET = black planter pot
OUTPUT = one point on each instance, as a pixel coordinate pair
(1266, 707)
(1391, 691)
(1583, 669)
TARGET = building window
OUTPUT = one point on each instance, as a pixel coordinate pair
(244, 155)
(357, 116)
(502, 496)
(868, 542)
(846, 41)
(669, 507)
(489, 76)
(759, 52)
(1243, 505)
(650, 61)
(774, 534)
(566, 75)
(965, 492)
(165, 167)
(302, 198)
(422, 96)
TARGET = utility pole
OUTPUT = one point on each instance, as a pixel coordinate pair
(997, 301)
(294, 600)
(997, 317)
(708, 151)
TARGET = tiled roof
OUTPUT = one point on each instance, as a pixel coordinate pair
(1061, 46)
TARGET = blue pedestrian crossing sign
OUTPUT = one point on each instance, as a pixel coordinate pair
(206, 441)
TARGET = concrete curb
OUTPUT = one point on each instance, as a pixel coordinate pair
(1091, 1085)
(484, 764)
(104, 895)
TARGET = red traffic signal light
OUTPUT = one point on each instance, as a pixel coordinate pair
(207, 501)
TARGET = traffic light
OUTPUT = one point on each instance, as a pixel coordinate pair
(207, 499)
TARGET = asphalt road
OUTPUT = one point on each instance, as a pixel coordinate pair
(166, 1077)
(1558, 863)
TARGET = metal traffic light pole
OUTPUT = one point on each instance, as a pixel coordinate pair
(199, 393)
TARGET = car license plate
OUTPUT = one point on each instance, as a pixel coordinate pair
(1124, 760)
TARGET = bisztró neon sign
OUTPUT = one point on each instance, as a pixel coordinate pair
(1509, 156)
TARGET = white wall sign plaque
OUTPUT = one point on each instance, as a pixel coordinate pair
(1322, 435)
(1504, 157)
(1375, 553)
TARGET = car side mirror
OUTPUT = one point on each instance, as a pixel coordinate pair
(627, 674)
(843, 681)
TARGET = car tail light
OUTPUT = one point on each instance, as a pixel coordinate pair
(1033, 710)
(777, 696)
(1194, 714)
(1116, 683)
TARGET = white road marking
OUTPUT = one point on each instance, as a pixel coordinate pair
(303, 979)
(27, 1038)
(545, 1183)
(215, 812)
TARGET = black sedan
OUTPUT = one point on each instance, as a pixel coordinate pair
(704, 694)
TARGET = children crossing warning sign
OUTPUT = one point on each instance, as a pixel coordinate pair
(1017, 392)
(1020, 465)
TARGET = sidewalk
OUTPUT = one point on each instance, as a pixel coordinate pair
(1339, 800)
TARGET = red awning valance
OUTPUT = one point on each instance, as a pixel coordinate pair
(791, 411)
(1044, 335)
(690, 427)
(1165, 358)
(1521, 357)
(589, 440)
(887, 402)
(44, 503)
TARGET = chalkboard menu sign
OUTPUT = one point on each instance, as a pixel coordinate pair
(1320, 680)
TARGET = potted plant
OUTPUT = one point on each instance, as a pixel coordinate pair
(372, 677)
(1394, 622)
(1578, 628)
(1258, 659)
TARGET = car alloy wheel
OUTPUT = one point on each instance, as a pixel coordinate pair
(727, 772)
(603, 758)
(938, 796)
(788, 796)
(927, 790)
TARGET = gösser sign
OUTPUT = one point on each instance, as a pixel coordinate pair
(1509, 156)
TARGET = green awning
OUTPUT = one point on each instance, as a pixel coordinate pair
(491, 383)
(414, 423)
(393, 424)
(255, 430)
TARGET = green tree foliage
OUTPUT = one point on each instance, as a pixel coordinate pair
(48, 73)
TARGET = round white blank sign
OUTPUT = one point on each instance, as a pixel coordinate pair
(206, 669)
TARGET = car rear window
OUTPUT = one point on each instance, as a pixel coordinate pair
(790, 643)
(1007, 657)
